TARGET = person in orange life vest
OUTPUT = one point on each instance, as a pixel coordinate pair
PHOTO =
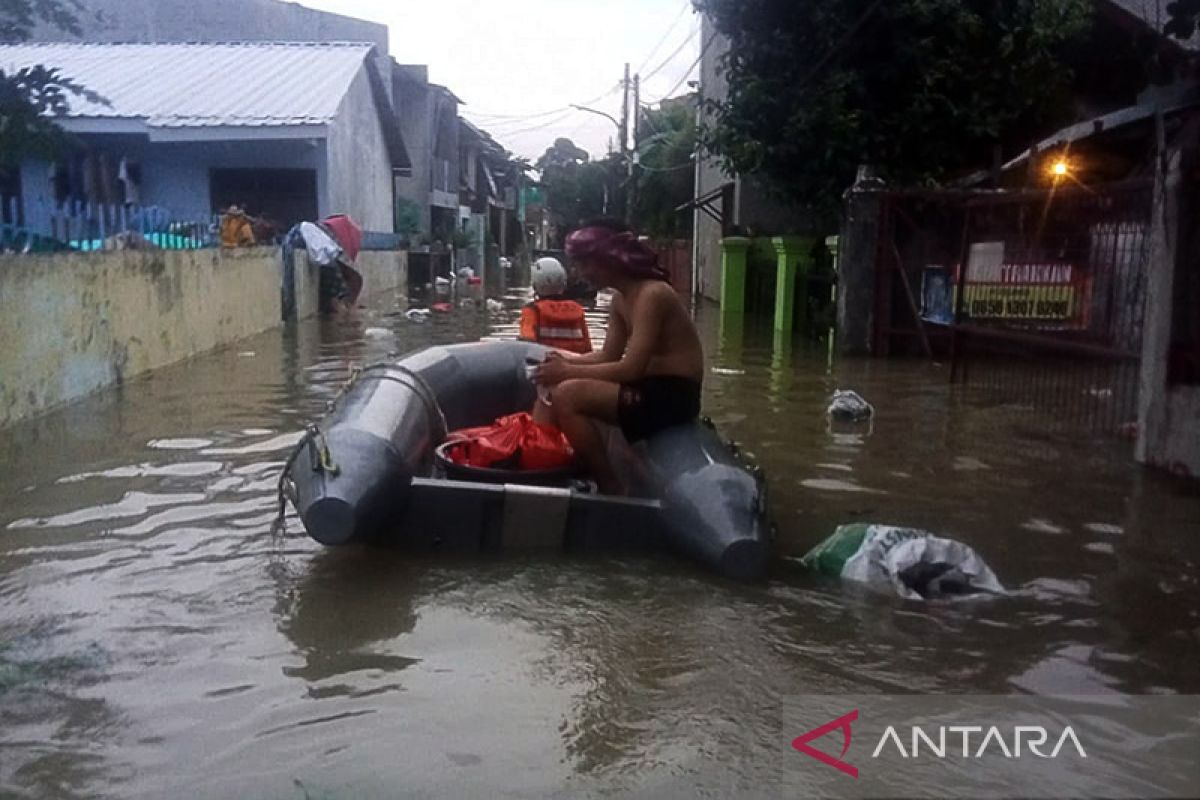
(551, 319)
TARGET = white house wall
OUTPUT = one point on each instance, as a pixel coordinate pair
(359, 181)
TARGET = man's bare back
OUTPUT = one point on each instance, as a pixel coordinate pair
(676, 349)
(647, 377)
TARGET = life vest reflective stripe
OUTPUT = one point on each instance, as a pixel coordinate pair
(548, 332)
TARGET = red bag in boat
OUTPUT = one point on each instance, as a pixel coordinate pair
(512, 441)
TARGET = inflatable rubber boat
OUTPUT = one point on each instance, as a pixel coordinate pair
(368, 472)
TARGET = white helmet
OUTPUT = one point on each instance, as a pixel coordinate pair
(549, 278)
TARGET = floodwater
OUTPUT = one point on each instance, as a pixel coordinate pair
(156, 640)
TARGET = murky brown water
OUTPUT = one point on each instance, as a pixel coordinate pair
(156, 641)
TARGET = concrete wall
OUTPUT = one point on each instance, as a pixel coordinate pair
(75, 323)
(359, 170)
(754, 210)
(856, 272)
(710, 177)
(212, 21)
(1168, 415)
(71, 324)
(382, 271)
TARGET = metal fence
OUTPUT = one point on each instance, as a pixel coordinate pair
(87, 227)
(1049, 301)
(1037, 297)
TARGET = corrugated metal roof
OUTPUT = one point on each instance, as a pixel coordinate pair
(198, 85)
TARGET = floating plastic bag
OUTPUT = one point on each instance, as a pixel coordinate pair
(515, 441)
(849, 405)
(908, 562)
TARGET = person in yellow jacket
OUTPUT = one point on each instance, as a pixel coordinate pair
(551, 319)
(237, 229)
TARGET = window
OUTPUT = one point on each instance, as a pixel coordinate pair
(11, 212)
(283, 197)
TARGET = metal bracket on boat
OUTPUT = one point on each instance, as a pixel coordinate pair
(320, 458)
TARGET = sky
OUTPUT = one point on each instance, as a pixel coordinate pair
(513, 61)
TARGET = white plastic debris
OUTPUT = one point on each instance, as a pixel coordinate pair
(377, 333)
(849, 405)
(417, 314)
(908, 562)
(727, 371)
(494, 305)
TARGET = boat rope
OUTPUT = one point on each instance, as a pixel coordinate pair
(313, 440)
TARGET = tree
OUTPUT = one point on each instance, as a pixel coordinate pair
(921, 89)
(666, 171)
(576, 188)
(31, 96)
(1181, 19)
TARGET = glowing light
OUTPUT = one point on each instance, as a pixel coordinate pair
(1060, 168)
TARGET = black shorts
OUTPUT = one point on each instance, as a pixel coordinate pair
(653, 403)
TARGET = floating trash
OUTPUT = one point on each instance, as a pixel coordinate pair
(849, 405)
(909, 562)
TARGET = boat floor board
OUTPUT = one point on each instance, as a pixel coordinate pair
(460, 516)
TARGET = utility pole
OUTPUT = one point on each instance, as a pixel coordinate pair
(633, 156)
(624, 135)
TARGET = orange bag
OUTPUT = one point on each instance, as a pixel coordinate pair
(515, 441)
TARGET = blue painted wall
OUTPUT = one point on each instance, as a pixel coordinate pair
(175, 176)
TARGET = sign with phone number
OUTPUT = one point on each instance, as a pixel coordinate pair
(1032, 302)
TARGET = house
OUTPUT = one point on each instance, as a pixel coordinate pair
(722, 201)
(289, 131)
(489, 187)
(1110, 72)
(428, 115)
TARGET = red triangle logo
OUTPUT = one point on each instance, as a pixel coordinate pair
(842, 723)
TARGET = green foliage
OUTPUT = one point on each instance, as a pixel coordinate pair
(1181, 22)
(667, 172)
(30, 96)
(921, 89)
(18, 18)
(408, 217)
(576, 187)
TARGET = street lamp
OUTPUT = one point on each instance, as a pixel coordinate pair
(624, 155)
(609, 117)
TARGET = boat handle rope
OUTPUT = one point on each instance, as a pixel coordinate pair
(314, 440)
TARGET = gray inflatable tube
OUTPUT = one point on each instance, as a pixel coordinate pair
(365, 472)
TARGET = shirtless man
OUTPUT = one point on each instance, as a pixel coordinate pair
(648, 375)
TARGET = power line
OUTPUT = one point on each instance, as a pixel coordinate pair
(696, 63)
(691, 38)
(539, 126)
(686, 7)
(525, 117)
